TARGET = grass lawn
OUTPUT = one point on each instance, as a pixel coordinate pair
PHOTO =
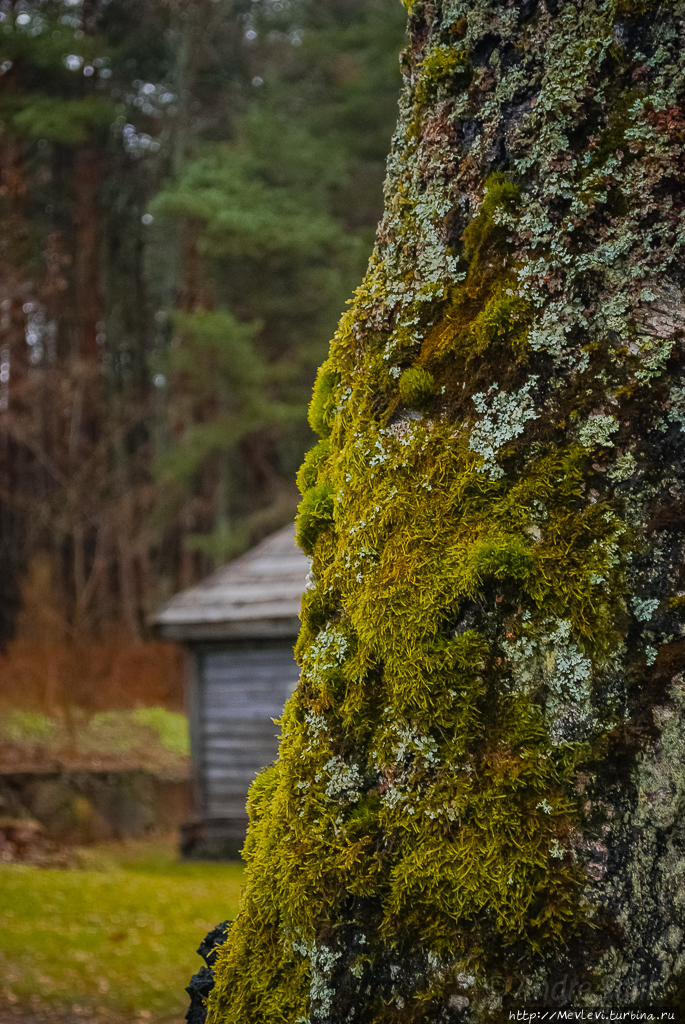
(119, 936)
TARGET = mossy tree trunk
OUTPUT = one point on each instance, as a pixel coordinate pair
(480, 794)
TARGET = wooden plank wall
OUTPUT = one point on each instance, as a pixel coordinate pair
(240, 691)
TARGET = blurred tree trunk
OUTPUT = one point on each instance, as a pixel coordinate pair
(480, 790)
(88, 222)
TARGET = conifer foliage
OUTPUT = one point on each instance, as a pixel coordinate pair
(188, 192)
(479, 795)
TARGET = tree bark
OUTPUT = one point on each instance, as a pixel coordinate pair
(479, 798)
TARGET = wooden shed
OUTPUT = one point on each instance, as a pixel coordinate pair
(239, 627)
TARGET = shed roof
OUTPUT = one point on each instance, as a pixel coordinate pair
(257, 595)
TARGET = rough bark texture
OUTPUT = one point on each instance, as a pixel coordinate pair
(480, 793)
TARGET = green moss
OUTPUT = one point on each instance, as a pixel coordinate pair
(276, 987)
(364, 820)
(502, 557)
(317, 609)
(620, 119)
(314, 514)
(503, 320)
(466, 792)
(496, 857)
(499, 195)
(322, 408)
(442, 68)
(416, 387)
(308, 473)
(487, 310)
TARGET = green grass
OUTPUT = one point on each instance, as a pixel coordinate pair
(119, 732)
(120, 936)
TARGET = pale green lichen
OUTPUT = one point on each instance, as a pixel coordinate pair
(597, 431)
(644, 608)
(623, 468)
(503, 419)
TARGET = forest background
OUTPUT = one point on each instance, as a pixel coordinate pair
(189, 193)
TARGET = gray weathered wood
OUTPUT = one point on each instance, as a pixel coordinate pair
(240, 692)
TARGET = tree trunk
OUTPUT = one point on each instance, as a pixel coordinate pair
(88, 173)
(479, 798)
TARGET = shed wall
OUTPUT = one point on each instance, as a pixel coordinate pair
(239, 692)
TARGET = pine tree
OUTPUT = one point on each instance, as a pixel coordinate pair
(479, 795)
(278, 222)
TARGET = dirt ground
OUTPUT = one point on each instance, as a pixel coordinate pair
(48, 1015)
